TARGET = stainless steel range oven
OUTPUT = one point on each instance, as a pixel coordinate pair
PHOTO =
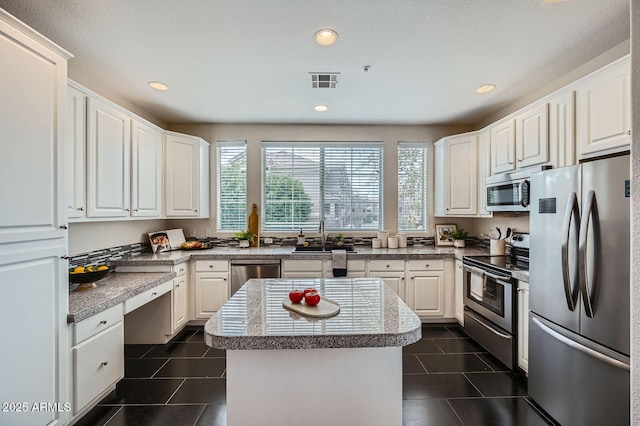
(490, 299)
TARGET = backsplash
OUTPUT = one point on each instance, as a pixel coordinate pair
(111, 254)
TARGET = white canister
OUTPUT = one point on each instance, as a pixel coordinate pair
(383, 235)
(497, 247)
(402, 240)
(375, 242)
(393, 242)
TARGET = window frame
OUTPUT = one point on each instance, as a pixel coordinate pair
(241, 217)
(427, 195)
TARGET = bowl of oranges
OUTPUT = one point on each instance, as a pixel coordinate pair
(87, 276)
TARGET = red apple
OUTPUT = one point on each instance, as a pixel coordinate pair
(308, 290)
(296, 296)
(312, 298)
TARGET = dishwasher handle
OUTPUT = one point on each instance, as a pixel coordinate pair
(255, 262)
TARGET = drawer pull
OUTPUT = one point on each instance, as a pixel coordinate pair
(224, 279)
(388, 266)
(104, 363)
(103, 322)
(177, 285)
(210, 266)
(154, 294)
(426, 266)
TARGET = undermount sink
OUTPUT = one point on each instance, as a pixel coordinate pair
(301, 249)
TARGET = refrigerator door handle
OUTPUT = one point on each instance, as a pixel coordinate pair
(590, 211)
(572, 210)
(577, 346)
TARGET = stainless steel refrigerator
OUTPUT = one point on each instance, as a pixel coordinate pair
(579, 292)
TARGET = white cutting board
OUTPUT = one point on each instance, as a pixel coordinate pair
(326, 308)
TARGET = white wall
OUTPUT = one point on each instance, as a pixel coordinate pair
(635, 216)
(254, 134)
(90, 236)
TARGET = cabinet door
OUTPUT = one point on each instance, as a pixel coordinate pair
(75, 152)
(523, 325)
(181, 175)
(562, 145)
(34, 288)
(212, 291)
(108, 160)
(461, 160)
(395, 280)
(427, 293)
(604, 111)
(146, 171)
(459, 292)
(484, 170)
(532, 136)
(32, 105)
(179, 300)
(502, 147)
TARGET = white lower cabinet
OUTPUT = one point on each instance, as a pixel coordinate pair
(425, 289)
(97, 356)
(459, 291)
(523, 325)
(392, 273)
(180, 299)
(211, 287)
(292, 268)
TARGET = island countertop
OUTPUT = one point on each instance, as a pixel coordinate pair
(371, 315)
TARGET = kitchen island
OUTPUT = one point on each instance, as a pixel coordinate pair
(286, 369)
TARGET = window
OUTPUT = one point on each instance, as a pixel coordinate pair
(232, 185)
(305, 182)
(412, 186)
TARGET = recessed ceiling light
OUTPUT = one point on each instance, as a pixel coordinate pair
(158, 86)
(326, 37)
(321, 108)
(485, 88)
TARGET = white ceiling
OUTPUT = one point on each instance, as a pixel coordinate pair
(249, 60)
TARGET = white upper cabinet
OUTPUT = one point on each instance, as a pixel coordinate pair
(562, 151)
(532, 136)
(603, 110)
(186, 176)
(108, 160)
(75, 152)
(146, 170)
(32, 101)
(456, 175)
(503, 156)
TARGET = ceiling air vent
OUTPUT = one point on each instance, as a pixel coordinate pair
(324, 80)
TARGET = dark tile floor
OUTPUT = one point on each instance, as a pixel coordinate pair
(448, 380)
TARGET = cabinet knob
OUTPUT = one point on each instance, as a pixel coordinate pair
(196, 210)
(127, 210)
(81, 209)
(103, 322)
(64, 257)
(177, 285)
(224, 279)
(104, 363)
(629, 132)
(63, 226)
(135, 210)
(154, 294)
(388, 266)
(211, 266)
(426, 266)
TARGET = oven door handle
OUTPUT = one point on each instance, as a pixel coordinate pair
(473, 269)
(500, 278)
(479, 321)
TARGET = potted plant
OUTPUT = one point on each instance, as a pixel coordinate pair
(458, 237)
(244, 238)
(339, 239)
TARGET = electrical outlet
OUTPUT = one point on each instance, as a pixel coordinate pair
(268, 240)
(207, 232)
(192, 233)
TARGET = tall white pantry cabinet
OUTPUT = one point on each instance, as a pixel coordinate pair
(33, 230)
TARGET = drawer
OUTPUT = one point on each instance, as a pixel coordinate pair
(426, 265)
(302, 265)
(93, 325)
(180, 269)
(98, 363)
(386, 265)
(352, 265)
(212, 265)
(143, 298)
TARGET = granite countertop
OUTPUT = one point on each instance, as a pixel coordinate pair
(371, 315)
(286, 252)
(113, 289)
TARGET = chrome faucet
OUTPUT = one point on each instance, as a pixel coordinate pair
(323, 236)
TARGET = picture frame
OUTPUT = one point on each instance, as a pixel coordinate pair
(442, 235)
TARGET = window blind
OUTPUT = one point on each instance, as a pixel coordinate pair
(232, 185)
(412, 186)
(338, 182)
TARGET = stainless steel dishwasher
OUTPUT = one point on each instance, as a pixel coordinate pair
(245, 269)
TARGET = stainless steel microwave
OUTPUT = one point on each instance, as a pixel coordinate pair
(508, 192)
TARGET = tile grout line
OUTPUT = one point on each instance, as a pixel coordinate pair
(110, 418)
(473, 384)
(175, 391)
(454, 411)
